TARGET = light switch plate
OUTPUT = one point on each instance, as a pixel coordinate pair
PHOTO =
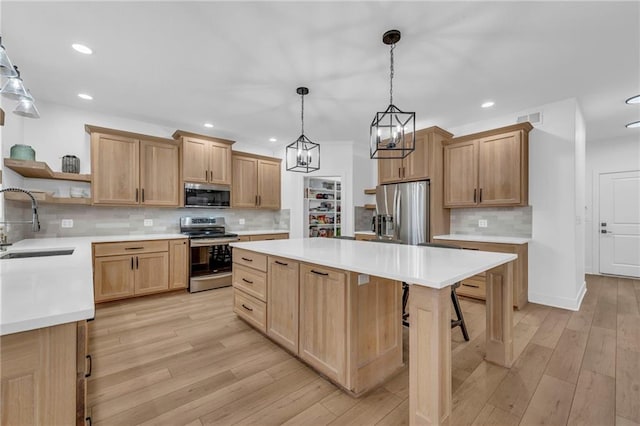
(148, 222)
(482, 223)
(241, 221)
(66, 223)
(363, 279)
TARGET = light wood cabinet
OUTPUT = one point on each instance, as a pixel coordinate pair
(323, 320)
(136, 268)
(205, 159)
(256, 181)
(179, 264)
(283, 302)
(249, 280)
(133, 169)
(488, 169)
(43, 374)
(475, 286)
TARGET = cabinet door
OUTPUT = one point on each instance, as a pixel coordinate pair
(159, 174)
(195, 160)
(416, 164)
(268, 184)
(323, 325)
(151, 272)
(500, 170)
(460, 174)
(113, 277)
(389, 169)
(219, 163)
(244, 191)
(283, 302)
(178, 263)
(115, 173)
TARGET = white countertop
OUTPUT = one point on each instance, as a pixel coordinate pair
(365, 232)
(41, 292)
(483, 238)
(261, 232)
(431, 267)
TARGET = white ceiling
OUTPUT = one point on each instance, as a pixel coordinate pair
(237, 64)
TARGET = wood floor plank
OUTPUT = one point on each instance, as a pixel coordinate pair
(491, 416)
(551, 403)
(621, 421)
(600, 353)
(551, 328)
(370, 409)
(629, 332)
(627, 300)
(399, 416)
(567, 356)
(594, 402)
(606, 309)
(105, 393)
(316, 415)
(338, 402)
(515, 391)
(470, 398)
(466, 360)
(628, 384)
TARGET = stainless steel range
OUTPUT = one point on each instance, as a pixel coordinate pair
(210, 257)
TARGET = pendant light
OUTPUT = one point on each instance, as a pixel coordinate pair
(392, 132)
(6, 68)
(303, 155)
(26, 107)
(14, 87)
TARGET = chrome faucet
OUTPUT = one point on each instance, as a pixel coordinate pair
(35, 222)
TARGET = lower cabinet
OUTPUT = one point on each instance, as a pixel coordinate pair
(263, 237)
(44, 374)
(349, 332)
(135, 268)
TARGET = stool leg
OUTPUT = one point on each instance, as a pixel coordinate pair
(460, 318)
(405, 299)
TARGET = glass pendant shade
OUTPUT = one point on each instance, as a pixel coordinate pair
(303, 155)
(6, 67)
(14, 88)
(27, 108)
(392, 133)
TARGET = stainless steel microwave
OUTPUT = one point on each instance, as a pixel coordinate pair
(207, 196)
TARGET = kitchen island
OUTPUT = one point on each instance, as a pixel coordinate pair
(430, 273)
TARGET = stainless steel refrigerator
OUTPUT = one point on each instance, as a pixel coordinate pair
(402, 212)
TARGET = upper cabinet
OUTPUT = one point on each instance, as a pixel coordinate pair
(256, 181)
(488, 169)
(205, 159)
(133, 169)
(423, 163)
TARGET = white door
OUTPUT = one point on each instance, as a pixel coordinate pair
(620, 223)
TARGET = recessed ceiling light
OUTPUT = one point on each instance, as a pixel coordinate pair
(82, 48)
(488, 104)
(209, 125)
(633, 100)
(633, 125)
(273, 140)
(85, 96)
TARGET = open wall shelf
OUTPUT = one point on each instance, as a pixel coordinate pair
(40, 170)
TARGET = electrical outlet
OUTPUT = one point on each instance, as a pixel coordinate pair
(67, 223)
(148, 222)
(241, 221)
(482, 223)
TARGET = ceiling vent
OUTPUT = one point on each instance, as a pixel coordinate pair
(533, 118)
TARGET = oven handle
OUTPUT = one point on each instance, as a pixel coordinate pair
(212, 242)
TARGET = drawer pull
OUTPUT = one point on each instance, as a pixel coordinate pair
(468, 248)
(90, 366)
(247, 308)
(282, 263)
(134, 248)
(471, 285)
(247, 259)
(320, 273)
(132, 263)
(247, 281)
(88, 420)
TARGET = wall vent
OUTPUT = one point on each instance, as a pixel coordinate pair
(533, 118)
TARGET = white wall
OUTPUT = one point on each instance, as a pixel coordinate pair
(618, 155)
(556, 274)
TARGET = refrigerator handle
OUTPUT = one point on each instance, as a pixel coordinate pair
(396, 214)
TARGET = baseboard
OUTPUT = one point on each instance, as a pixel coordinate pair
(560, 302)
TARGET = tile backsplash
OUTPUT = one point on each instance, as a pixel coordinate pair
(93, 220)
(501, 221)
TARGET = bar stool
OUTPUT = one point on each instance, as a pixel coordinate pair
(459, 322)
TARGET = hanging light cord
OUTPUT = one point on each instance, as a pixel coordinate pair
(302, 115)
(391, 76)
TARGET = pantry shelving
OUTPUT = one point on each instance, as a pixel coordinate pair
(322, 199)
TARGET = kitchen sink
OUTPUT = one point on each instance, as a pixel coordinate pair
(23, 254)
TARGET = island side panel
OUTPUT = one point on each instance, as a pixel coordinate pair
(500, 315)
(430, 396)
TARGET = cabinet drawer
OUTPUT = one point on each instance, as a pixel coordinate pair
(130, 247)
(263, 237)
(250, 281)
(473, 287)
(250, 309)
(251, 259)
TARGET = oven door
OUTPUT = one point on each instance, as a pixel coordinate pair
(199, 195)
(211, 264)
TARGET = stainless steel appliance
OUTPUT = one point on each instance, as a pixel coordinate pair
(209, 196)
(210, 254)
(402, 211)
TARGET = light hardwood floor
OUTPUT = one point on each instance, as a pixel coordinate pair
(179, 359)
